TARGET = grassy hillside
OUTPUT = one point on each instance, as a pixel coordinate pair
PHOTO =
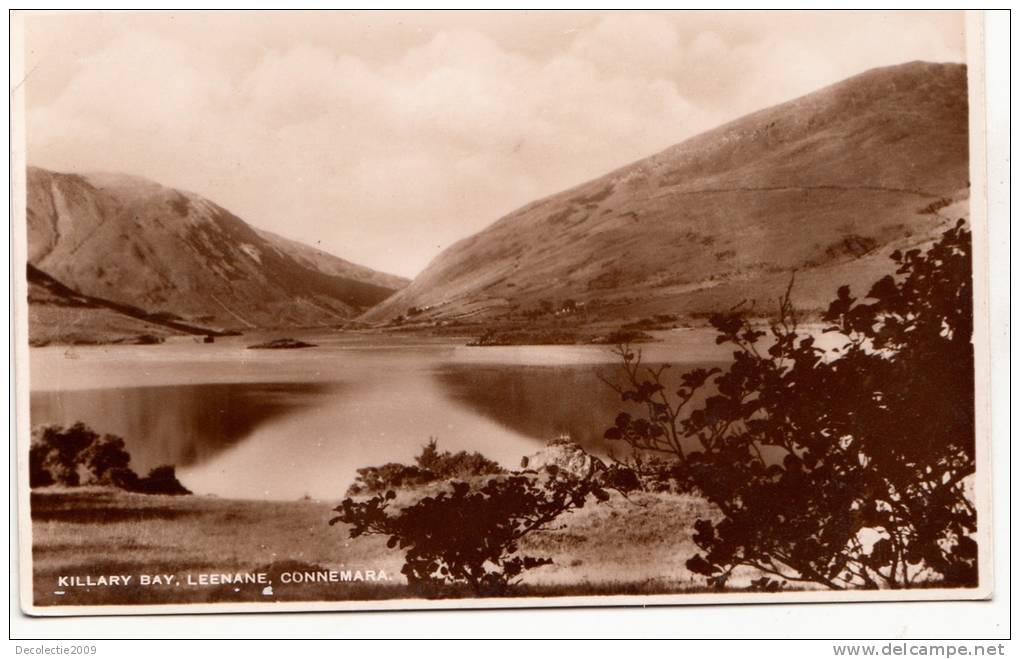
(827, 185)
(134, 242)
(625, 546)
(59, 314)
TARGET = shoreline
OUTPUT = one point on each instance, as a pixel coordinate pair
(517, 333)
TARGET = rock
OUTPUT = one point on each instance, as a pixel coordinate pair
(281, 344)
(141, 340)
(564, 455)
(624, 336)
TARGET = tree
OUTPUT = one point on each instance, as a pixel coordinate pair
(844, 467)
(79, 456)
(54, 455)
(468, 537)
(105, 459)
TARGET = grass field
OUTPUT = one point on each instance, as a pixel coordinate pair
(636, 545)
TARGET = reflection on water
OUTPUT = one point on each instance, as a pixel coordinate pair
(285, 424)
(181, 424)
(538, 401)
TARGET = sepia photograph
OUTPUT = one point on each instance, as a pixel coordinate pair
(356, 310)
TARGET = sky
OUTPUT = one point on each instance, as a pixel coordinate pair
(385, 137)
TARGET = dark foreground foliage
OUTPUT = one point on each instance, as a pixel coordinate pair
(469, 537)
(429, 466)
(846, 467)
(79, 456)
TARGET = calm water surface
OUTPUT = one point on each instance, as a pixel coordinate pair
(282, 424)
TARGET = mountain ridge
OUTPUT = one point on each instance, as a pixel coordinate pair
(821, 181)
(59, 314)
(132, 241)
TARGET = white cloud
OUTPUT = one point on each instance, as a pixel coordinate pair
(386, 158)
(632, 43)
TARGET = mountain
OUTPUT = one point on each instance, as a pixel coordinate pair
(170, 254)
(58, 314)
(316, 259)
(827, 185)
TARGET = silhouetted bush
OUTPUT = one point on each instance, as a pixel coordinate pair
(79, 456)
(392, 475)
(652, 473)
(161, 480)
(430, 465)
(845, 467)
(461, 464)
(123, 478)
(470, 537)
(56, 454)
(105, 459)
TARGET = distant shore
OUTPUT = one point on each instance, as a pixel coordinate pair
(476, 334)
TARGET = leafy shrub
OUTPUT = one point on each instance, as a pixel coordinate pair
(652, 473)
(461, 464)
(79, 456)
(392, 475)
(105, 459)
(430, 465)
(56, 454)
(161, 480)
(847, 467)
(464, 537)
